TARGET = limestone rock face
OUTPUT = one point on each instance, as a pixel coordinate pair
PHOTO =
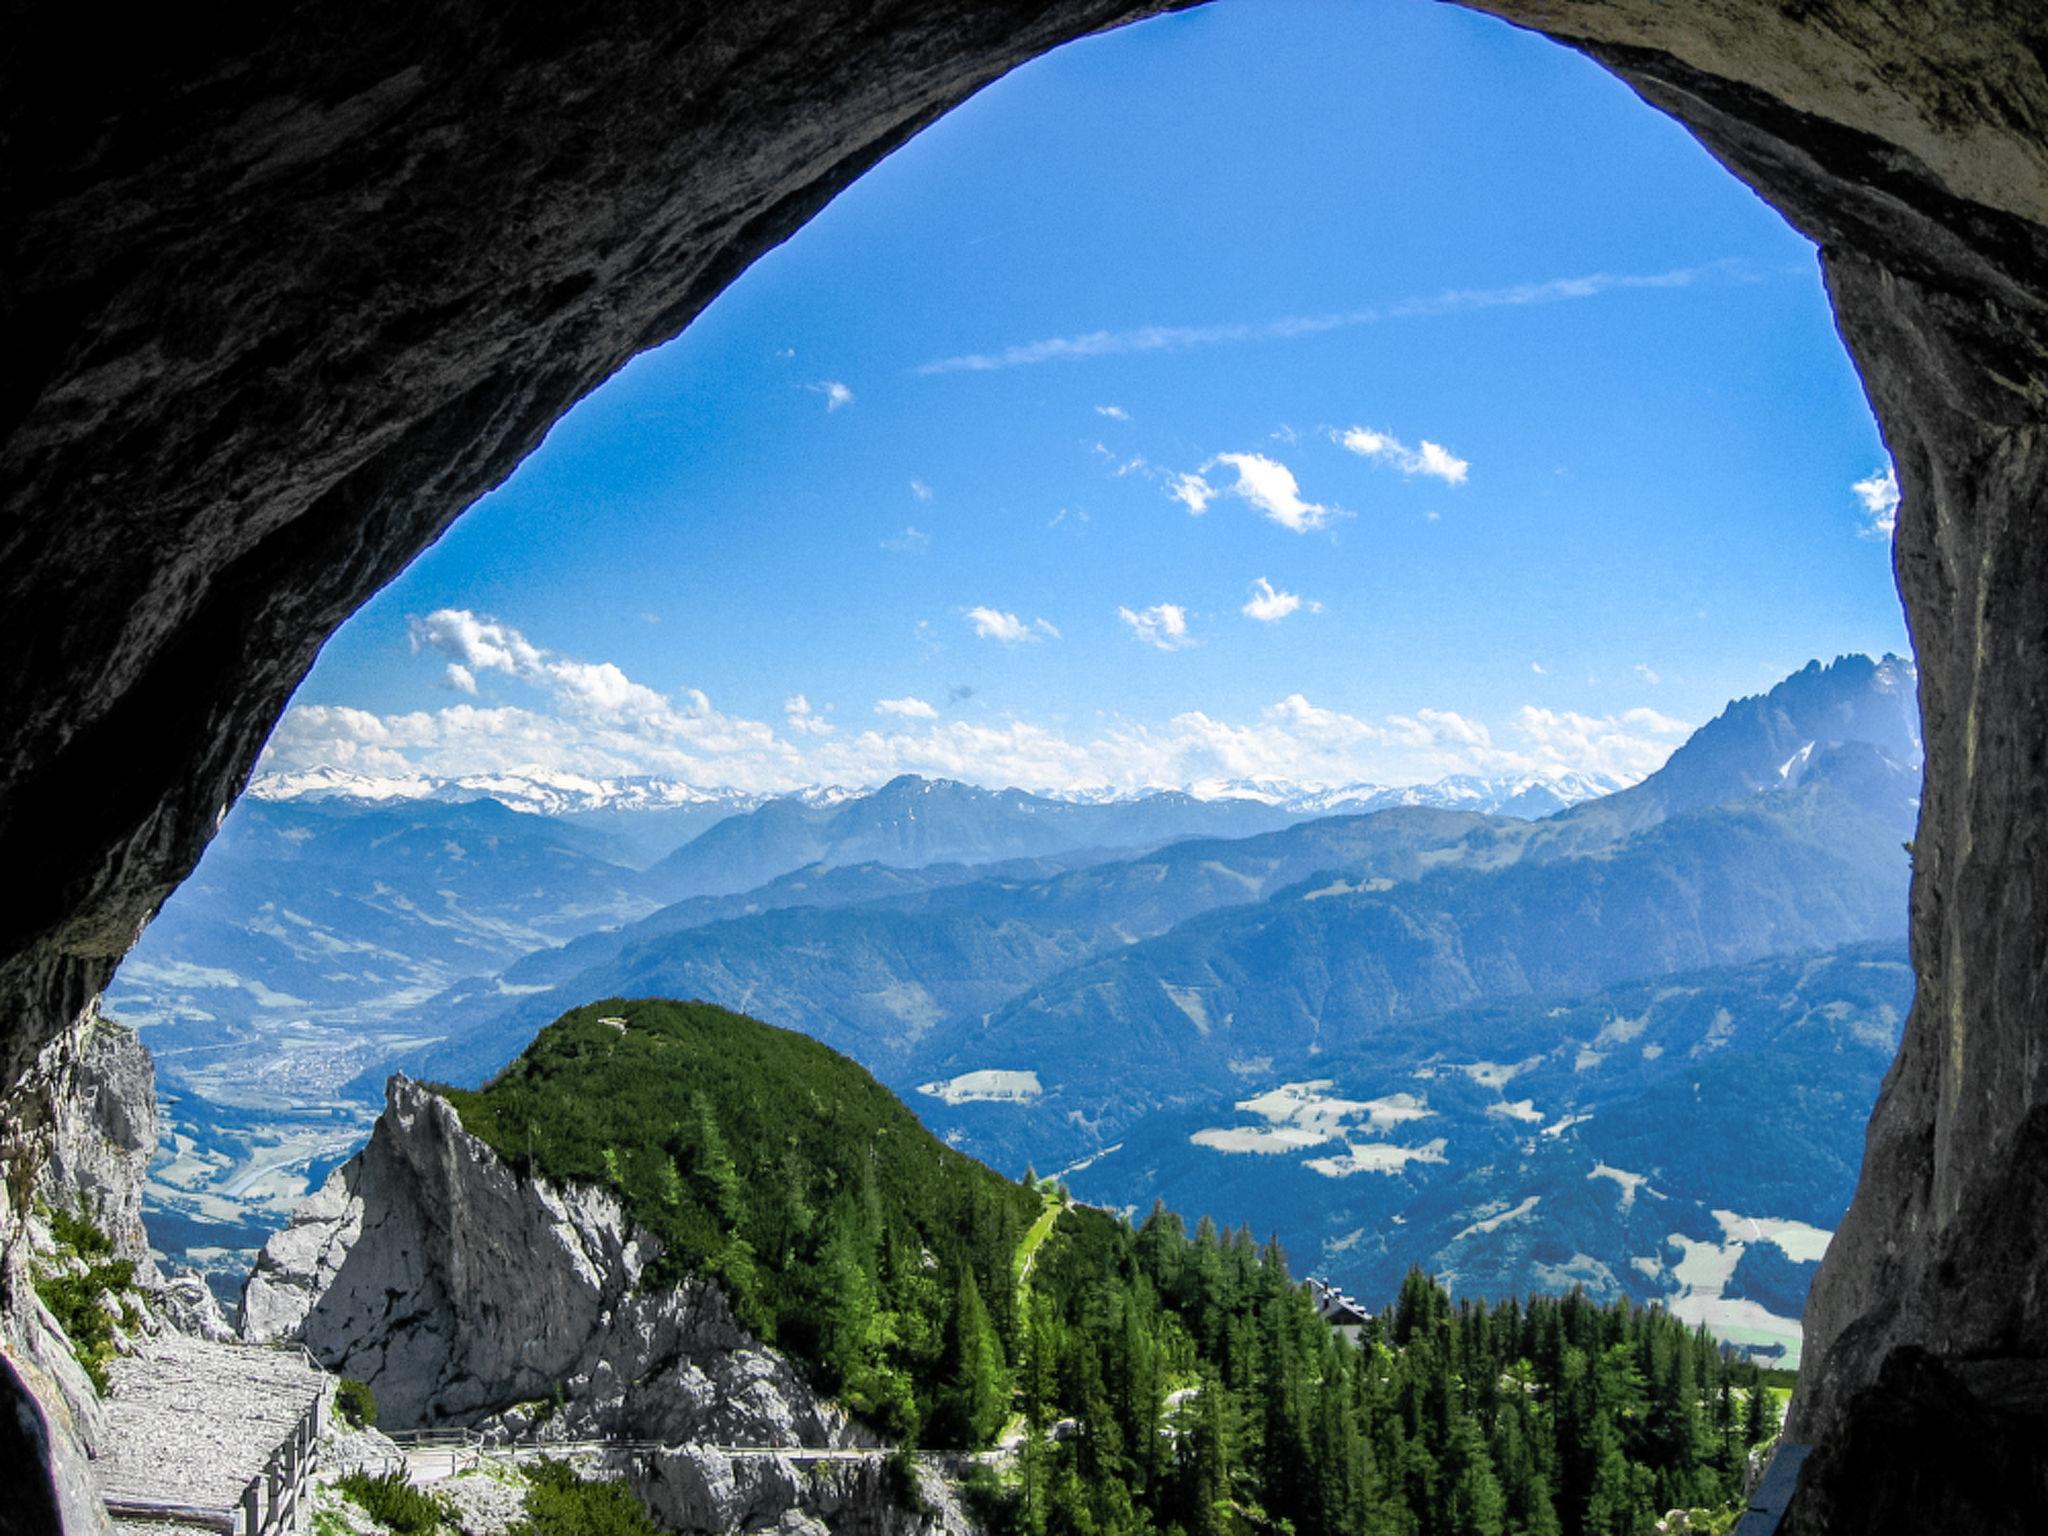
(103, 1135)
(282, 295)
(186, 1304)
(699, 1491)
(464, 1292)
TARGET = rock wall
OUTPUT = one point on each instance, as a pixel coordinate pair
(103, 1131)
(464, 1292)
(283, 293)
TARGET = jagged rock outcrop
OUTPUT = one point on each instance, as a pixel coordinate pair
(282, 296)
(690, 1490)
(463, 1291)
(103, 1135)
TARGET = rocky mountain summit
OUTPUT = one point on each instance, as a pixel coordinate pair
(466, 1292)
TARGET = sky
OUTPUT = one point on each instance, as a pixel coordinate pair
(1325, 392)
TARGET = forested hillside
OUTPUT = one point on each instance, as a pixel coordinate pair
(1142, 1379)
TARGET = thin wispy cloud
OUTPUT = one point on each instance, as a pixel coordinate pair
(920, 490)
(1163, 626)
(1181, 338)
(836, 394)
(908, 708)
(911, 541)
(1431, 459)
(1113, 412)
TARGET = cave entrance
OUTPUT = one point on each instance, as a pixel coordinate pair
(1066, 451)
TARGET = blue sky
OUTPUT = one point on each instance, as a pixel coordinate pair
(1519, 431)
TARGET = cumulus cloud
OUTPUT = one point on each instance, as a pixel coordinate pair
(1268, 486)
(1627, 746)
(805, 721)
(1164, 626)
(1879, 494)
(1113, 412)
(461, 679)
(994, 624)
(1431, 459)
(1268, 604)
(1192, 492)
(590, 720)
(836, 394)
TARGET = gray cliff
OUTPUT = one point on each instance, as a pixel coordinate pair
(464, 1292)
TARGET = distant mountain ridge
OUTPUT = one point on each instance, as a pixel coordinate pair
(548, 792)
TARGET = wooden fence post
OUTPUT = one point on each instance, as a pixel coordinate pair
(252, 1507)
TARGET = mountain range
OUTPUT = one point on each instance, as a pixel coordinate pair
(1070, 981)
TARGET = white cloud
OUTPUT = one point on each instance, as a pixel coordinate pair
(1432, 459)
(1113, 412)
(1269, 605)
(1539, 669)
(590, 719)
(1646, 673)
(911, 541)
(1192, 492)
(1628, 745)
(461, 679)
(1270, 486)
(1880, 497)
(920, 490)
(836, 394)
(1164, 626)
(1177, 338)
(797, 711)
(994, 624)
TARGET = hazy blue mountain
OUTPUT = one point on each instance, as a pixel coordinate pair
(911, 821)
(331, 912)
(828, 962)
(280, 971)
(1538, 1143)
(508, 1004)
(1244, 993)
(1768, 741)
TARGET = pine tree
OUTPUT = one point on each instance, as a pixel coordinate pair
(978, 1391)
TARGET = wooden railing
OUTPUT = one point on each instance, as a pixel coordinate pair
(272, 1502)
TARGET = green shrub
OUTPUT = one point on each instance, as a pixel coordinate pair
(74, 1299)
(392, 1501)
(559, 1503)
(356, 1403)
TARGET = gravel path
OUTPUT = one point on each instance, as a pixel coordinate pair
(193, 1422)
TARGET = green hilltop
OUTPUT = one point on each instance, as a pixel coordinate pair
(840, 1228)
(1146, 1379)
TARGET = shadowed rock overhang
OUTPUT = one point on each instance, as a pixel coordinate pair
(286, 288)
